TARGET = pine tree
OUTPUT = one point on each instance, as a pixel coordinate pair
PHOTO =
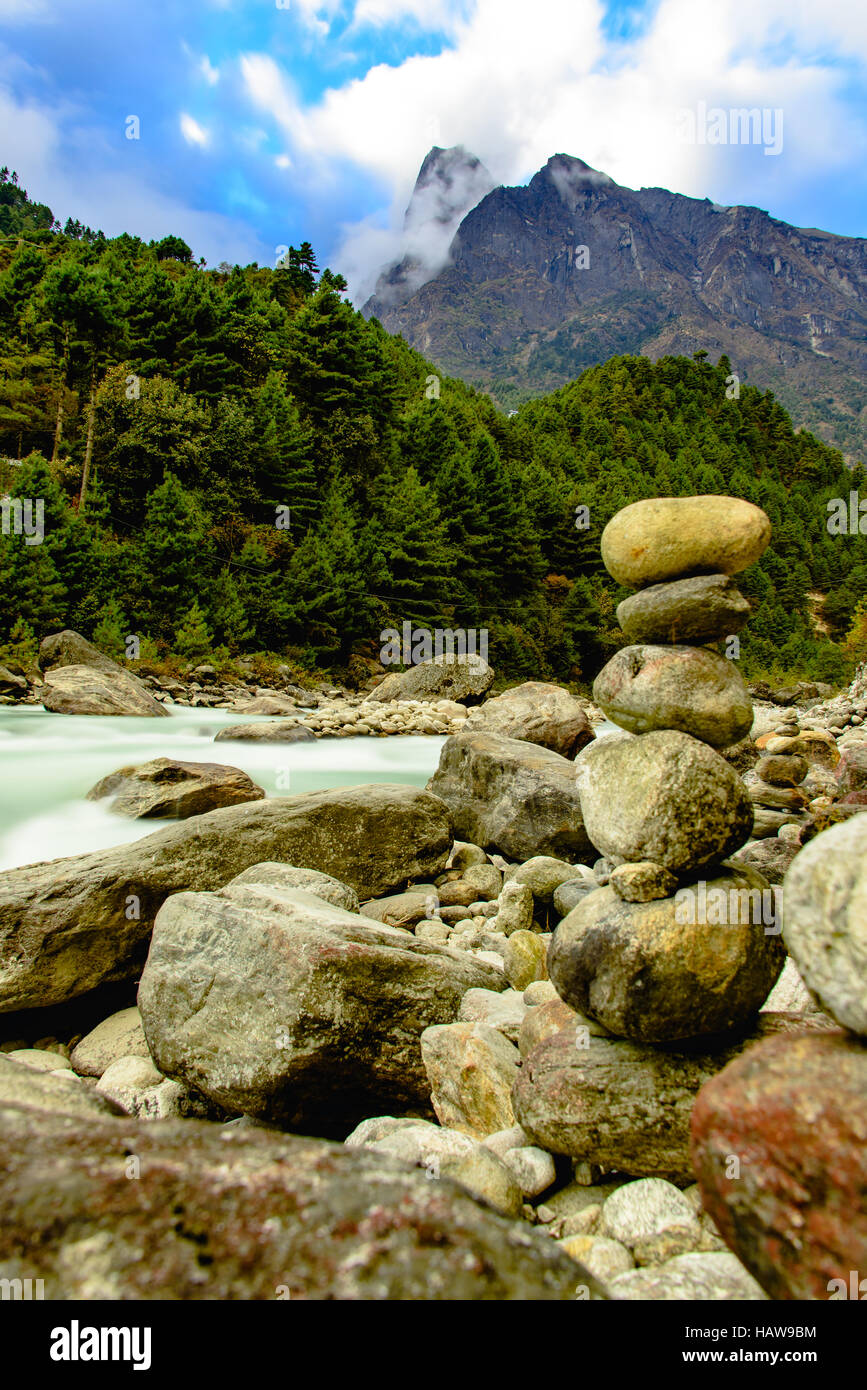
(418, 555)
(193, 638)
(283, 464)
(111, 630)
(227, 612)
(172, 555)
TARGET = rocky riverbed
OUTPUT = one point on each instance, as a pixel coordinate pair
(498, 1037)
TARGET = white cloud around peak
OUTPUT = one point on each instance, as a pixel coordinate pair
(516, 85)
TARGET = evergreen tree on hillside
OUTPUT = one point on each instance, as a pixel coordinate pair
(173, 556)
(145, 429)
(419, 558)
(283, 465)
(333, 362)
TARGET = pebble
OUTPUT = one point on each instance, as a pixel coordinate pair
(505, 1011)
(515, 908)
(698, 1277)
(525, 959)
(642, 882)
(646, 1208)
(603, 1257)
(532, 1168)
(40, 1060)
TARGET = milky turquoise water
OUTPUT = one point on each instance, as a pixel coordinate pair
(48, 763)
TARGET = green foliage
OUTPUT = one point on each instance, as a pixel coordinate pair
(227, 402)
(193, 638)
(111, 630)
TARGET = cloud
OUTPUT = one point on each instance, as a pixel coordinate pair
(440, 15)
(516, 85)
(209, 72)
(311, 12)
(193, 133)
(20, 11)
(70, 166)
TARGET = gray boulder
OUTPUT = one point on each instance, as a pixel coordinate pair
(89, 690)
(73, 924)
(538, 713)
(624, 1105)
(825, 920)
(273, 1003)
(11, 683)
(700, 609)
(688, 688)
(277, 731)
(69, 648)
(662, 796)
(174, 790)
(445, 677)
(514, 797)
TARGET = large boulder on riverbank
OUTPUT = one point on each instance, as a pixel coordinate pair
(513, 797)
(84, 690)
(69, 648)
(80, 679)
(538, 713)
(464, 679)
(274, 1003)
(73, 924)
(132, 1210)
(174, 790)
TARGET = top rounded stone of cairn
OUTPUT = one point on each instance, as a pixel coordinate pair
(664, 538)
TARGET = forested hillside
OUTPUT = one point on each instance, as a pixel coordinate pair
(234, 461)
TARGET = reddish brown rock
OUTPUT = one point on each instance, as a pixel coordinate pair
(793, 1112)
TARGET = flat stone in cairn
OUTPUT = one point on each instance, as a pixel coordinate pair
(702, 608)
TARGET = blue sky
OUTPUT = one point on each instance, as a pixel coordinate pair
(264, 123)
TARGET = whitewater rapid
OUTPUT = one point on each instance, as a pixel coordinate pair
(50, 761)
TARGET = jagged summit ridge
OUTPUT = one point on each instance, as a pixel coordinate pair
(512, 308)
(450, 183)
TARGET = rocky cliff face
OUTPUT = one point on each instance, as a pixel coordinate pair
(544, 280)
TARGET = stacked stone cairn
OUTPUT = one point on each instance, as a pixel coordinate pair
(680, 944)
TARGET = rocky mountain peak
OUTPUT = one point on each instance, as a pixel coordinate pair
(450, 183)
(519, 289)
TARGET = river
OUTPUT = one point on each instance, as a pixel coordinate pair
(50, 761)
